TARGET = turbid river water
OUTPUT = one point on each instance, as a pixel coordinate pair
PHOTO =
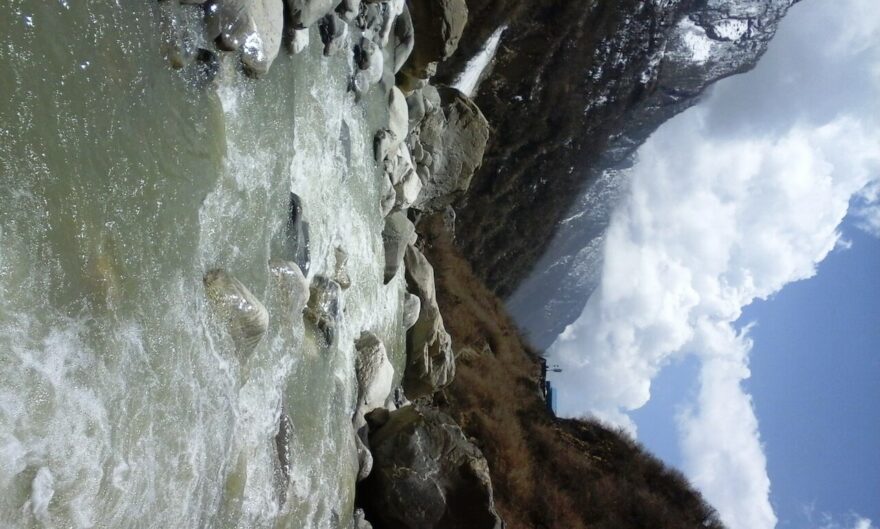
(123, 404)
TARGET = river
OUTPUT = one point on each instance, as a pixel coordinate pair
(122, 182)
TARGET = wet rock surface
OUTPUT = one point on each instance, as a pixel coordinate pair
(324, 307)
(426, 475)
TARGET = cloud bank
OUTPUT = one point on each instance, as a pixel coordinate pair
(725, 208)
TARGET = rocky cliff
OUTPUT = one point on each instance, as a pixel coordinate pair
(573, 91)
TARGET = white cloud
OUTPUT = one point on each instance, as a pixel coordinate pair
(827, 521)
(715, 221)
(708, 229)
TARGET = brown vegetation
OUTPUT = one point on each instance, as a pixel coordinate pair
(547, 472)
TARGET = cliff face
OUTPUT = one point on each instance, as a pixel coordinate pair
(574, 89)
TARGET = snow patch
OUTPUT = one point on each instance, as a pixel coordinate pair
(731, 29)
(695, 40)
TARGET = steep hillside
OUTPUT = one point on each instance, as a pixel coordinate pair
(546, 472)
(574, 89)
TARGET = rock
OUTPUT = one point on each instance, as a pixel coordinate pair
(389, 197)
(451, 141)
(403, 39)
(411, 307)
(407, 190)
(207, 66)
(360, 520)
(292, 285)
(398, 117)
(430, 363)
(382, 144)
(377, 418)
(253, 26)
(178, 34)
(264, 33)
(398, 233)
(296, 243)
(370, 61)
(304, 13)
(323, 309)
(365, 458)
(333, 31)
(438, 25)
(374, 373)
(340, 270)
(298, 40)
(246, 318)
(348, 9)
(282, 450)
(427, 475)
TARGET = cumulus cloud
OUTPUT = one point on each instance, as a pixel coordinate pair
(730, 202)
(705, 231)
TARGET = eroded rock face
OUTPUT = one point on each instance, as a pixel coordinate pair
(399, 232)
(447, 145)
(427, 475)
(438, 25)
(430, 363)
(411, 308)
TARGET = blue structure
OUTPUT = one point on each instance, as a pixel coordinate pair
(550, 398)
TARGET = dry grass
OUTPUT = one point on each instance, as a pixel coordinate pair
(547, 473)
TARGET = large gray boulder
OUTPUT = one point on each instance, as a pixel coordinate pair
(438, 25)
(255, 27)
(430, 363)
(427, 475)
(398, 233)
(447, 145)
(373, 371)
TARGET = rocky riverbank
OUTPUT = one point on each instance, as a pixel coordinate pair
(415, 466)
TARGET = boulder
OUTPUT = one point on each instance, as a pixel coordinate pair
(295, 246)
(245, 317)
(255, 27)
(333, 31)
(382, 144)
(427, 475)
(293, 286)
(438, 25)
(299, 40)
(407, 190)
(398, 233)
(365, 458)
(304, 13)
(263, 39)
(348, 9)
(360, 520)
(411, 308)
(388, 197)
(398, 117)
(370, 61)
(402, 39)
(430, 363)
(324, 307)
(448, 146)
(374, 374)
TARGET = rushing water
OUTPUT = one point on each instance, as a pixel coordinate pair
(122, 403)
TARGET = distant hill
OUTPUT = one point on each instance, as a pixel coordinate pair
(547, 472)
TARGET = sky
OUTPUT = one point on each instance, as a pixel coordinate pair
(734, 330)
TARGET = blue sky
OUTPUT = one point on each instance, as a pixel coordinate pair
(815, 372)
(734, 326)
